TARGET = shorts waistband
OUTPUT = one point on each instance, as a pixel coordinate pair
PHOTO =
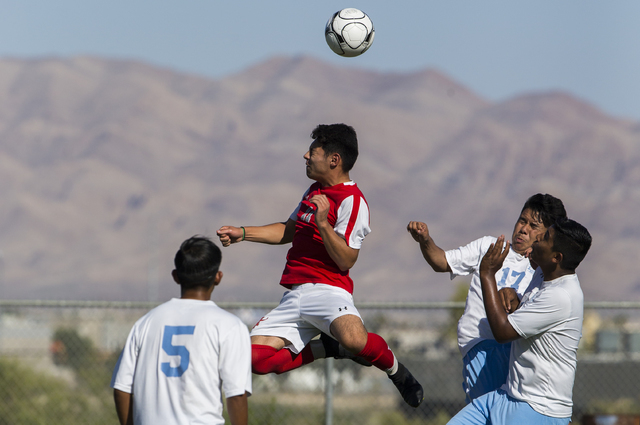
(304, 285)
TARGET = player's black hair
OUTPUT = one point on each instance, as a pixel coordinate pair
(340, 139)
(197, 262)
(545, 207)
(571, 239)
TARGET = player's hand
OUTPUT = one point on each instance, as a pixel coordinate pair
(322, 208)
(418, 230)
(493, 259)
(229, 235)
(509, 298)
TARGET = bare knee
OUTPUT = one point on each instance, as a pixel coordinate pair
(350, 333)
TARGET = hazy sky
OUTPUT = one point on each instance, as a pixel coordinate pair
(496, 48)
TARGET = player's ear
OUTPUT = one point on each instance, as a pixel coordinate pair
(336, 160)
(174, 274)
(217, 279)
(557, 257)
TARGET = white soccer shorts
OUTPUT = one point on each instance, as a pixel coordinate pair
(304, 312)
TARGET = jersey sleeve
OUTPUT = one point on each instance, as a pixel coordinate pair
(352, 222)
(541, 312)
(235, 361)
(122, 378)
(466, 259)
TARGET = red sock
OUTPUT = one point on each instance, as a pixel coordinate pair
(377, 352)
(266, 359)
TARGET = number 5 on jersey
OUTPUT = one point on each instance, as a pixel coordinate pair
(175, 350)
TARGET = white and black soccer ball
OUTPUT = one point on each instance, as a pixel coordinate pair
(349, 32)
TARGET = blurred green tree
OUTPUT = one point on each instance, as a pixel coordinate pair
(28, 397)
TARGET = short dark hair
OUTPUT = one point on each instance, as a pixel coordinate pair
(340, 139)
(197, 262)
(572, 240)
(545, 207)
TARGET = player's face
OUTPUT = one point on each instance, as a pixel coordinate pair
(542, 248)
(318, 164)
(526, 231)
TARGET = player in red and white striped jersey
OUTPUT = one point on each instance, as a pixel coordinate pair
(326, 231)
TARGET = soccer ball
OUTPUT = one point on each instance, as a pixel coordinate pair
(349, 32)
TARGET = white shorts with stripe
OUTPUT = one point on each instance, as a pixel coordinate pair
(304, 312)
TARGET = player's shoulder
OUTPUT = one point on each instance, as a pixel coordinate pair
(350, 188)
(150, 319)
(488, 240)
(482, 244)
(561, 293)
(228, 315)
(570, 285)
(347, 191)
(159, 309)
(223, 315)
(228, 325)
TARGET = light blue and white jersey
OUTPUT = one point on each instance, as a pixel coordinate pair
(542, 363)
(179, 359)
(516, 273)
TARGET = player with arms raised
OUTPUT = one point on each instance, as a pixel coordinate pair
(545, 330)
(485, 361)
(326, 231)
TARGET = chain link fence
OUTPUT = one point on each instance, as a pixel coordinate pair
(56, 360)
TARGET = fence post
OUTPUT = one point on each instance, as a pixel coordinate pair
(328, 391)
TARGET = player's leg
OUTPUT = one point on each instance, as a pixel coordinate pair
(269, 355)
(498, 408)
(351, 333)
(357, 336)
(333, 349)
(486, 367)
(331, 310)
(475, 413)
(507, 410)
(280, 341)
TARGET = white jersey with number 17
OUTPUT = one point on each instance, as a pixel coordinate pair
(516, 273)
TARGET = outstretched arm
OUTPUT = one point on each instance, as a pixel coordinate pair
(431, 252)
(272, 234)
(238, 409)
(496, 314)
(341, 253)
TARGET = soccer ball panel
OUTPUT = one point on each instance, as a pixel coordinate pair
(355, 34)
(351, 13)
(334, 44)
(349, 32)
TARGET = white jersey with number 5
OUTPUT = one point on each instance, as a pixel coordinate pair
(179, 358)
(516, 273)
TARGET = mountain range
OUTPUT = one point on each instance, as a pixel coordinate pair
(106, 166)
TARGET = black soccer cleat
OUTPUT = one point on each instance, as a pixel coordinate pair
(409, 387)
(332, 348)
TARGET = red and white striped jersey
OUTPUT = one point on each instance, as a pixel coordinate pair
(308, 261)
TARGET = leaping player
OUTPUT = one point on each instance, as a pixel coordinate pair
(326, 231)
